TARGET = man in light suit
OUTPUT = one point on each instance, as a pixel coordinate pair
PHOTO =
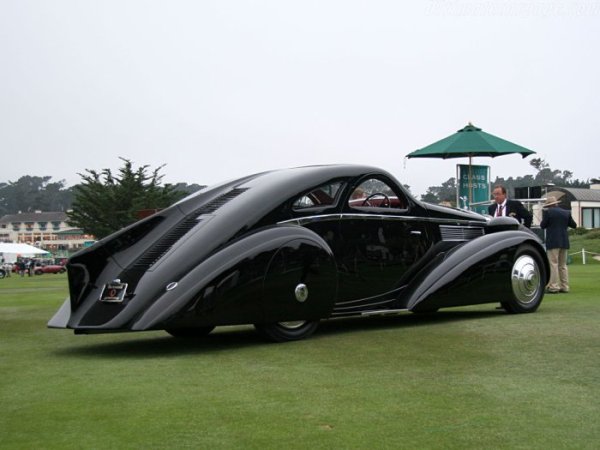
(509, 208)
(556, 222)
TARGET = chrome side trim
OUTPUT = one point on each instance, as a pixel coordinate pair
(361, 306)
(361, 301)
(384, 312)
(310, 219)
(374, 312)
(347, 216)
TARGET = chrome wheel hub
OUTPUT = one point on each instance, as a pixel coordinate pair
(292, 325)
(301, 292)
(525, 279)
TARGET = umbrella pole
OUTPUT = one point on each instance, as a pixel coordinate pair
(470, 183)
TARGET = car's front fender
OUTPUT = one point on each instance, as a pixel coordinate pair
(477, 271)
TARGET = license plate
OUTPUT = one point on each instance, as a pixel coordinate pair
(113, 292)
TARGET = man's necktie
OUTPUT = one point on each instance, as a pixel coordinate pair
(499, 211)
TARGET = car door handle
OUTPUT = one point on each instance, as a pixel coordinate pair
(416, 232)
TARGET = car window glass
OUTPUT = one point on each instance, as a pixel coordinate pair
(322, 196)
(375, 193)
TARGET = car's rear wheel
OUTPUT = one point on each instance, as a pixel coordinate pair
(287, 331)
(528, 279)
(191, 332)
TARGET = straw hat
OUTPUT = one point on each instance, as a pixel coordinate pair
(550, 201)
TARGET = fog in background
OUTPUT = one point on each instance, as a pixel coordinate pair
(221, 89)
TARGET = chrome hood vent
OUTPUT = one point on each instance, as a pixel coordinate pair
(457, 233)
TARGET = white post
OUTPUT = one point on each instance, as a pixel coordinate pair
(583, 255)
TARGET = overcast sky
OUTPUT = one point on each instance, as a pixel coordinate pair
(220, 89)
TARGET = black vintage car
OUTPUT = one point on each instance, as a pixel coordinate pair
(285, 249)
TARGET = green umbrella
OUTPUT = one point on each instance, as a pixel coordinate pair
(469, 142)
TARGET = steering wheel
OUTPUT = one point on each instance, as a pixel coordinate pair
(385, 203)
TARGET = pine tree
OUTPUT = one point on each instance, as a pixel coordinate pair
(104, 203)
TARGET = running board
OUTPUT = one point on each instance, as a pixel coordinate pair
(384, 312)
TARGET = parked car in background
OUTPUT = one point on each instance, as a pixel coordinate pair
(286, 249)
(49, 268)
(38, 268)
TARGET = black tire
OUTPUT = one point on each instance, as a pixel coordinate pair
(287, 331)
(528, 281)
(188, 333)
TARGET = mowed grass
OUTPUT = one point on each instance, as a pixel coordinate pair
(462, 378)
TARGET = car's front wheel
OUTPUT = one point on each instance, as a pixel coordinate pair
(528, 279)
(287, 331)
(192, 332)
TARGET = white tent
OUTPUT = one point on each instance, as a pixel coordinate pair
(11, 251)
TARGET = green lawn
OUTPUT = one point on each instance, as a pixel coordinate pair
(463, 378)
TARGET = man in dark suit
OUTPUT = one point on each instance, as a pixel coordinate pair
(509, 208)
(556, 222)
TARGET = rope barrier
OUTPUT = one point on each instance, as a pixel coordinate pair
(583, 253)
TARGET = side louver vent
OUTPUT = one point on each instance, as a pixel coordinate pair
(164, 244)
(161, 247)
(216, 203)
(460, 233)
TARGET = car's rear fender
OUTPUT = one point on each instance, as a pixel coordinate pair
(477, 271)
(252, 280)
